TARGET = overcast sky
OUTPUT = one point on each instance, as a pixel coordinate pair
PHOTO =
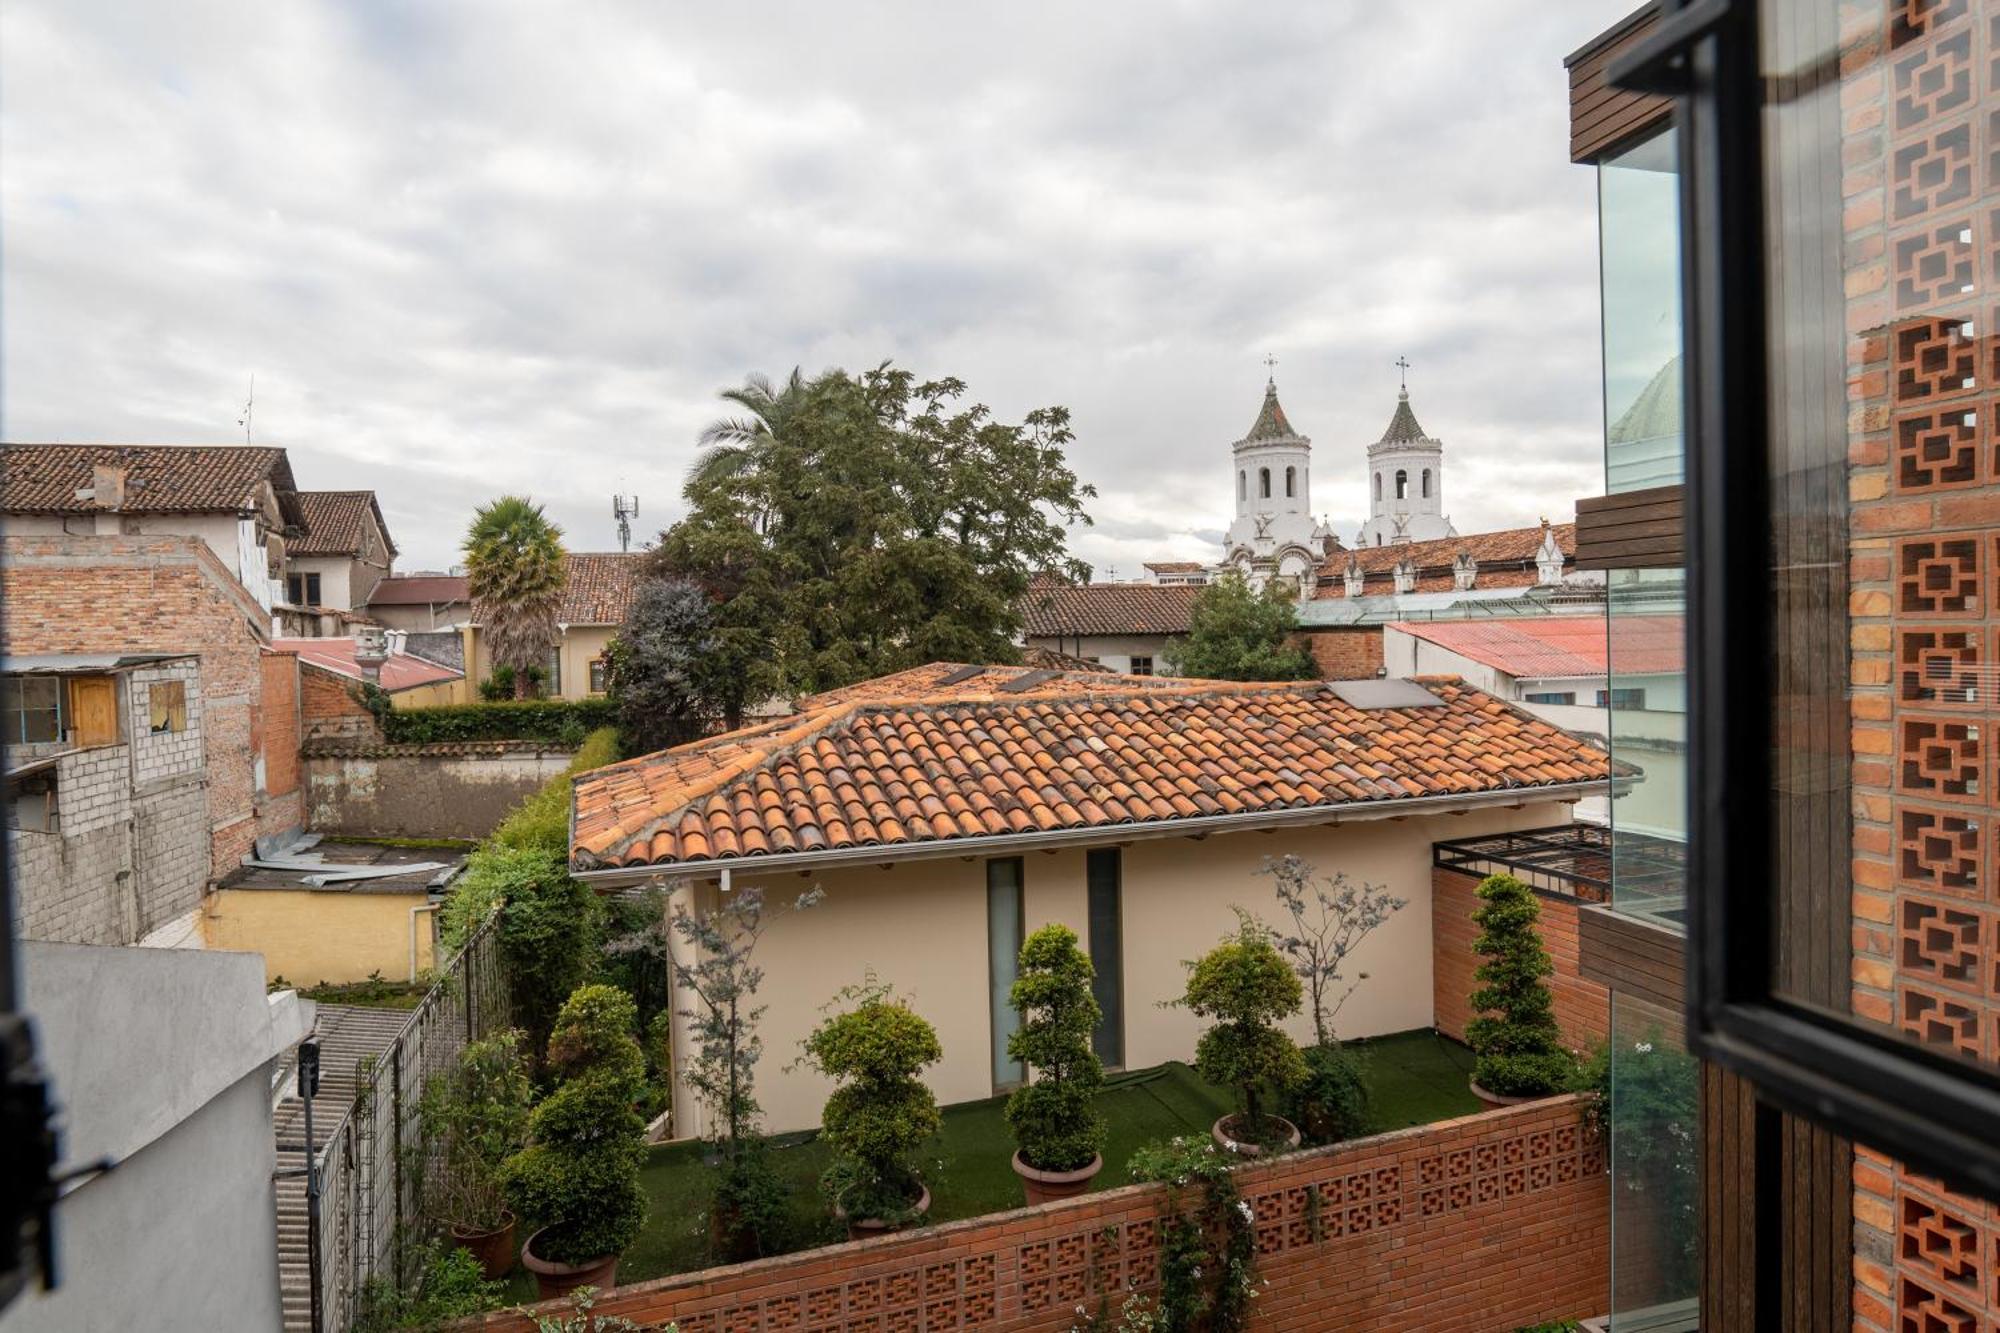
(474, 247)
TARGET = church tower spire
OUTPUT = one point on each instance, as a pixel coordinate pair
(1405, 479)
(1274, 530)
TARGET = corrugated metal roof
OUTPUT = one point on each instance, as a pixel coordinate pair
(1551, 647)
(402, 671)
(48, 664)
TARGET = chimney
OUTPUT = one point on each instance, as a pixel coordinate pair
(107, 487)
(371, 650)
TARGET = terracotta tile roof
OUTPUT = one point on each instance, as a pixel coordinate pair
(402, 671)
(419, 590)
(1048, 659)
(1175, 566)
(160, 478)
(1506, 560)
(940, 681)
(598, 589)
(336, 522)
(864, 769)
(1107, 608)
(1554, 646)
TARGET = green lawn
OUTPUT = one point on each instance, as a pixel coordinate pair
(1414, 1078)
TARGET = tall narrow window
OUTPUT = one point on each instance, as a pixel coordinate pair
(1378, 485)
(1291, 482)
(1243, 485)
(1263, 483)
(1003, 961)
(1402, 484)
(1107, 955)
(1427, 483)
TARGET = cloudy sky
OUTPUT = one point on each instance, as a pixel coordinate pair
(473, 247)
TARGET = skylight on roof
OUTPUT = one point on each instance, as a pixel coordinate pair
(1374, 694)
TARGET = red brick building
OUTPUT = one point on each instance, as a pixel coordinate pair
(165, 594)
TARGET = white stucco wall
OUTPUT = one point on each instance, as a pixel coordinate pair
(1115, 651)
(161, 1060)
(921, 925)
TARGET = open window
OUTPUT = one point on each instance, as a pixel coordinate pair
(1844, 562)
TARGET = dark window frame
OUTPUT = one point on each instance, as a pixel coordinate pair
(1936, 1112)
(1107, 1040)
(1020, 892)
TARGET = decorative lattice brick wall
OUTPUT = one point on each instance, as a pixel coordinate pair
(1922, 245)
(1489, 1222)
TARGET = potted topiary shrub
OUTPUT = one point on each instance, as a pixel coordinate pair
(476, 1116)
(577, 1181)
(1246, 986)
(1519, 1047)
(1056, 1127)
(880, 1112)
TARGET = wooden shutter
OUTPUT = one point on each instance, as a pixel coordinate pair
(93, 710)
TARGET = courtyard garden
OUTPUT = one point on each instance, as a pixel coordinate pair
(1413, 1078)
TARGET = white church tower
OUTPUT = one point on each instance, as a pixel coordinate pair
(1405, 482)
(1274, 531)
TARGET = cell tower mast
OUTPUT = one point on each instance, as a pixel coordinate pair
(624, 508)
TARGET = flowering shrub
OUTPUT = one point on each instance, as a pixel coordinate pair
(1208, 1241)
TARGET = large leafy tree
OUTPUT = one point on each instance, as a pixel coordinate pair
(514, 573)
(849, 525)
(1236, 632)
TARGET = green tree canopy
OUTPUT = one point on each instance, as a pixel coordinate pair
(514, 573)
(1237, 632)
(851, 525)
(666, 678)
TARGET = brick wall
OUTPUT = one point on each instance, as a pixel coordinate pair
(330, 709)
(94, 594)
(279, 723)
(1582, 1007)
(1484, 1223)
(1924, 586)
(1347, 653)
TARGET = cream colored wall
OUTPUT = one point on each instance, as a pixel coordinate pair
(432, 696)
(580, 643)
(308, 937)
(922, 926)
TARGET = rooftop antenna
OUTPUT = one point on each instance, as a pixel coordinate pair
(249, 404)
(624, 508)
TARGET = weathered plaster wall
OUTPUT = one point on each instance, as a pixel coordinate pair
(922, 926)
(322, 936)
(452, 790)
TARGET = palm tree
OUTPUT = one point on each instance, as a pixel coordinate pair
(735, 446)
(514, 571)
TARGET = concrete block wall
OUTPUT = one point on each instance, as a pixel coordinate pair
(169, 852)
(75, 889)
(93, 790)
(1489, 1222)
(163, 754)
(458, 789)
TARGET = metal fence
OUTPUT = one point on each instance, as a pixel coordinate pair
(374, 1171)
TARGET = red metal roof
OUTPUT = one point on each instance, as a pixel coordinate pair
(419, 590)
(401, 672)
(1546, 647)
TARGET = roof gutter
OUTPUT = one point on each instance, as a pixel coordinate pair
(998, 844)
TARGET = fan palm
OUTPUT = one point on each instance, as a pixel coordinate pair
(514, 570)
(733, 447)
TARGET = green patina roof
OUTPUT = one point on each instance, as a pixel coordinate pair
(1271, 423)
(1403, 427)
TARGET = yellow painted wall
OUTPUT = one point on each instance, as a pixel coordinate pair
(922, 926)
(431, 696)
(311, 936)
(580, 644)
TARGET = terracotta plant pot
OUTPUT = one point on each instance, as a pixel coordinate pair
(1494, 1101)
(862, 1228)
(1229, 1143)
(493, 1249)
(1048, 1186)
(553, 1279)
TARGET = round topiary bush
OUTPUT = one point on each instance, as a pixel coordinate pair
(1247, 987)
(578, 1178)
(1515, 1037)
(882, 1111)
(1054, 1117)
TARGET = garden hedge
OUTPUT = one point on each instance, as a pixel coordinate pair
(563, 721)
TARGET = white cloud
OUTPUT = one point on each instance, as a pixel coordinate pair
(469, 246)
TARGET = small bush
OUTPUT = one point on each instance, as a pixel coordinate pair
(1054, 1117)
(476, 1114)
(1516, 1039)
(542, 820)
(1331, 1103)
(498, 720)
(1246, 985)
(578, 1179)
(881, 1112)
(449, 1287)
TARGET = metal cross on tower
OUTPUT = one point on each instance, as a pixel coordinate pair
(1403, 364)
(1271, 365)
